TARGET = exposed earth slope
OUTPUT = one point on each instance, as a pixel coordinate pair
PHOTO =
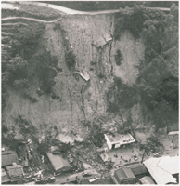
(85, 47)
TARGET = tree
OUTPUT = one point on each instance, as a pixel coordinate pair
(45, 66)
(18, 69)
(97, 135)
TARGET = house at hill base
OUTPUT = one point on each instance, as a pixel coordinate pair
(124, 175)
(15, 173)
(163, 170)
(8, 158)
(139, 170)
(118, 140)
(58, 163)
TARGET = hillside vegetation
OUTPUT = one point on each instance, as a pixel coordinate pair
(31, 11)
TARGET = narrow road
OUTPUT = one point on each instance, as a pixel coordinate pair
(69, 10)
(77, 12)
(30, 19)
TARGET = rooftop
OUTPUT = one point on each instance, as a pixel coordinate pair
(161, 169)
(124, 173)
(8, 158)
(57, 161)
(138, 169)
(15, 172)
(119, 137)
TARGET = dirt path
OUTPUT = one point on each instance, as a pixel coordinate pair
(30, 19)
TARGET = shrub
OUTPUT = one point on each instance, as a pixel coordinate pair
(97, 135)
(124, 96)
(101, 75)
(56, 27)
(118, 57)
(70, 59)
(21, 83)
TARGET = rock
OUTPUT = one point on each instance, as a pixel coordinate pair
(65, 138)
(78, 138)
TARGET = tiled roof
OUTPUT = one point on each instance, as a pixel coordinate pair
(138, 169)
(119, 137)
(124, 173)
(57, 161)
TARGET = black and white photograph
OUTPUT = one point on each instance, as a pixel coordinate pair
(89, 92)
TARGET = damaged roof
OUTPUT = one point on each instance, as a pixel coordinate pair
(102, 40)
(107, 37)
(84, 75)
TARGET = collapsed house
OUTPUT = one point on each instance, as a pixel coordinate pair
(58, 163)
(163, 170)
(118, 140)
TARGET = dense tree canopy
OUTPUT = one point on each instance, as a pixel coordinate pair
(157, 82)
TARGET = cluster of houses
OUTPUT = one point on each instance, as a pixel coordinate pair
(161, 171)
(155, 170)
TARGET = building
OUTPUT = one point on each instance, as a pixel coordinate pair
(163, 170)
(8, 158)
(15, 173)
(139, 170)
(58, 163)
(124, 175)
(118, 140)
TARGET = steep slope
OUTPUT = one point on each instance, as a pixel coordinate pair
(82, 92)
